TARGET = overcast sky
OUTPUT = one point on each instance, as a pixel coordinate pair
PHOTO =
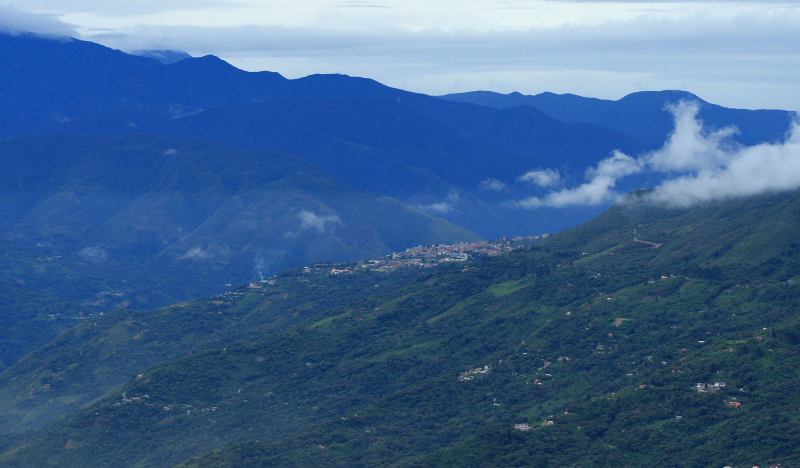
(735, 53)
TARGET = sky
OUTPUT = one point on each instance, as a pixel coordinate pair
(743, 54)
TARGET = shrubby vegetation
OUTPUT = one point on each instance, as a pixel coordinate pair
(32, 312)
(597, 340)
(88, 360)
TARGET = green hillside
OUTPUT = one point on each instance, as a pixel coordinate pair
(29, 319)
(86, 361)
(32, 311)
(596, 340)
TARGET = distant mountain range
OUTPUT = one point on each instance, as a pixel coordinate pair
(206, 215)
(166, 57)
(424, 151)
(643, 116)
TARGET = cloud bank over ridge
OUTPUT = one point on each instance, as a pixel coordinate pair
(738, 53)
(14, 21)
(697, 165)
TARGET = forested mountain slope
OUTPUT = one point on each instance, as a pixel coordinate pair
(90, 359)
(426, 152)
(596, 340)
(458, 160)
(166, 219)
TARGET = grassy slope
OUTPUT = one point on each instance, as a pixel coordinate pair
(377, 382)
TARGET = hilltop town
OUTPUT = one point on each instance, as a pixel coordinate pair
(431, 256)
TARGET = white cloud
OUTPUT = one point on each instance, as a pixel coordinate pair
(441, 208)
(599, 189)
(444, 207)
(94, 254)
(311, 221)
(112, 8)
(736, 53)
(14, 21)
(196, 253)
(360, 4)
(698, 166)
(492, 185)
(617, 166)
(688, 148)
(545, 178)
(740, 172)
(210, 252)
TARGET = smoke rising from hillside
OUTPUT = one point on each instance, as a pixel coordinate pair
(696, 165)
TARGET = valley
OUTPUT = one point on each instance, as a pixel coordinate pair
(204, 267)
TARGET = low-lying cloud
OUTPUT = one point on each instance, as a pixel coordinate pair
(197, 253)
(210, 252)
(311, 221)
(697, 166)
(745, 171)
(444, 207)
(599, 189)
(94, 254)
(545, 178)
(492, 185)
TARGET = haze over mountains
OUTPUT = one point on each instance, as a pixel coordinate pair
(193, 215)
(513, 165)
(663, 332)
(427, 152)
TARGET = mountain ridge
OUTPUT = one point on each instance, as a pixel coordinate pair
(641, 115)
(146, 96)
(444, 171)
